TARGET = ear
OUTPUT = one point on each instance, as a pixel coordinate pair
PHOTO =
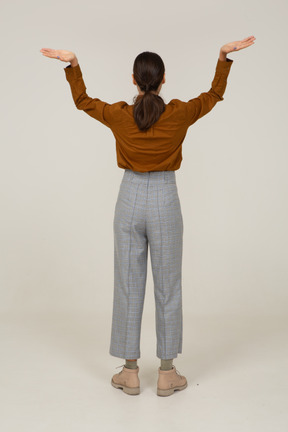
(133, 79)
(164, 79)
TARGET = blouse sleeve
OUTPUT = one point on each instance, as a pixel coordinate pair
(94, 107)
(199, 106)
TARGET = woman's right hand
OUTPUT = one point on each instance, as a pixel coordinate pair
(63, 55)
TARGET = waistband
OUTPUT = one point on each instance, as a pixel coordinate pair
(149, 176)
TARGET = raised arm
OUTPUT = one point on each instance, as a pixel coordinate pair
(94, 107)
(201, 105)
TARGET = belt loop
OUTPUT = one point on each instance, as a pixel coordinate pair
(166, 177)
(132, 176)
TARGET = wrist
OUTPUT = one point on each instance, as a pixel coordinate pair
(74, 62)
(222, 55)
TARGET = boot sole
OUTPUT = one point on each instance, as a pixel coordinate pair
(128, 390)
(169, 392)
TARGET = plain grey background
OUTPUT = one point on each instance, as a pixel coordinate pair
(59, 185)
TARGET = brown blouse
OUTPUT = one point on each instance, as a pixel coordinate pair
(159, 148)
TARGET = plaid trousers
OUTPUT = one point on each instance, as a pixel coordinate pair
(147, 211)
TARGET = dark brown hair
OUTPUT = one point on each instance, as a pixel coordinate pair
(148, 70)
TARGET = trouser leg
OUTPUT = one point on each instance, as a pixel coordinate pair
(130, 271)
(165, 236)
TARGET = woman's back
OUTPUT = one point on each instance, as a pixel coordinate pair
(160, 147)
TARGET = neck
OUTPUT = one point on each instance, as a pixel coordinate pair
(142, 93)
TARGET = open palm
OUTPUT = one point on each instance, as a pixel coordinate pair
(63, 55)
(238, 45)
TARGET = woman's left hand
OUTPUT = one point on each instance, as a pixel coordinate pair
(237, 45)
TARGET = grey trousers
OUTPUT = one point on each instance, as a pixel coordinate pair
(147, 212)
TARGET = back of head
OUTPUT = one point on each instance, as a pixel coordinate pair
(148, 70)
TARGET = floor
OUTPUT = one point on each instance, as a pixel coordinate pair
(56, 372)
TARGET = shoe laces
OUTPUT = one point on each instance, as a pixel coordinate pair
(177, 371)
(172, 365)
(120, 366)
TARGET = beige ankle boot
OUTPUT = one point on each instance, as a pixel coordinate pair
(169, 381)
(127, 380)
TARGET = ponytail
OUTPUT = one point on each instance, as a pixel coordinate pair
(148, 72)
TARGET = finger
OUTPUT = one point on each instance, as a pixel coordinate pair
(246, 45)
(249, 42)
(248, 38)
(48, 52)
(49, 55)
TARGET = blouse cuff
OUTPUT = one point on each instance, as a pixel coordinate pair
(73, 72)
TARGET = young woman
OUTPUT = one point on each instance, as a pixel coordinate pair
(149, 136)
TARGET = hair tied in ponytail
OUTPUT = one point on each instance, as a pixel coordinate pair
(148, 72)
